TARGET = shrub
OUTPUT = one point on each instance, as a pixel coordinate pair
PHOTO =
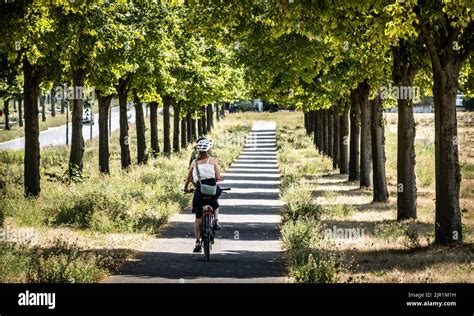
(315, 267)
(300, 234)
(299, 203)
(63, 263)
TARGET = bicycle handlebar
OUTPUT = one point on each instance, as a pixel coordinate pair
(192, 190)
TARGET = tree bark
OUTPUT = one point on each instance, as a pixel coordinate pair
(448, 175)
(32, 78)
(122, 91)
(218, 116)
(77, 140)
(380, 192)
(140, 128)
(204, 120)
(223, 109)
(403, 74)
(320, 131)
(344, 140)
(325, 132)
(354, 147)
(104, 153)
(210, 118)
(446, 64)
(63, 108)
(189, 126)
(6, 112)
(313, 125)
(20, 112)
(306, 125)
(365, 142)
(43, 108)
(53, 103)
(194, 128)
(155, 146)
(330, 132)
(166, 124)
(335, 141)
(176, 116)
(184, 133)
(199, 125)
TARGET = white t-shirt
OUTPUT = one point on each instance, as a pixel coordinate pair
(206, 170)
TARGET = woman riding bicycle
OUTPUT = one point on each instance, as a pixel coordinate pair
(209, 174)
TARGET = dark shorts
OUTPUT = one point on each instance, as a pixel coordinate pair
(199, 199)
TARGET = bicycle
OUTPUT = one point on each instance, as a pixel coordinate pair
(207, 230)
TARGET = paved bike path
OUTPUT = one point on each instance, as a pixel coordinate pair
(247, 249)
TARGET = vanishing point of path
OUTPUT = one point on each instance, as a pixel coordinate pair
(247, 249)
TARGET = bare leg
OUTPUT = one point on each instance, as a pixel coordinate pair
(197, 228)
(216, 214)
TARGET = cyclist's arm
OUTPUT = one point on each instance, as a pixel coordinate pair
(218, 170)
(189, 177)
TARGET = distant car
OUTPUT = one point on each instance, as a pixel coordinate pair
(459, 100)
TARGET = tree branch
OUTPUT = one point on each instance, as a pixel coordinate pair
(428, 39)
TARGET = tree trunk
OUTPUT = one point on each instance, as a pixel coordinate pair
(122, 91)
(306, 125)
(6, 112)
(77, 140)
(184, 132)
(176, 115)
(380, 192)
(448, 176)
(365, 142)
(189, 126)
(63, 108)
(20, 112)
(204, 120)
(313, 126)
(218, 116)
(318, 129)
(354, 147)
(223, 109)
(104, 153)
(446, 64)
(32, 78)
(155, 146)
(166, 124)
(43, 108)
(344, 140)
(335, 141)
(199, 124)
(14, 104)
(194, 128)
(210, 118)
(140, 128)
(330, 132)
(53, 103)
(403, 75)
(325, 132)
(311, 117)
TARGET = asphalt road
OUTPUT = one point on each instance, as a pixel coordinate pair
(247, 249)
(55, 136)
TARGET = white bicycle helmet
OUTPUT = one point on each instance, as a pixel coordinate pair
(203, 145)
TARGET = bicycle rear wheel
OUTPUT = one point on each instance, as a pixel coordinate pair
(207, 238)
